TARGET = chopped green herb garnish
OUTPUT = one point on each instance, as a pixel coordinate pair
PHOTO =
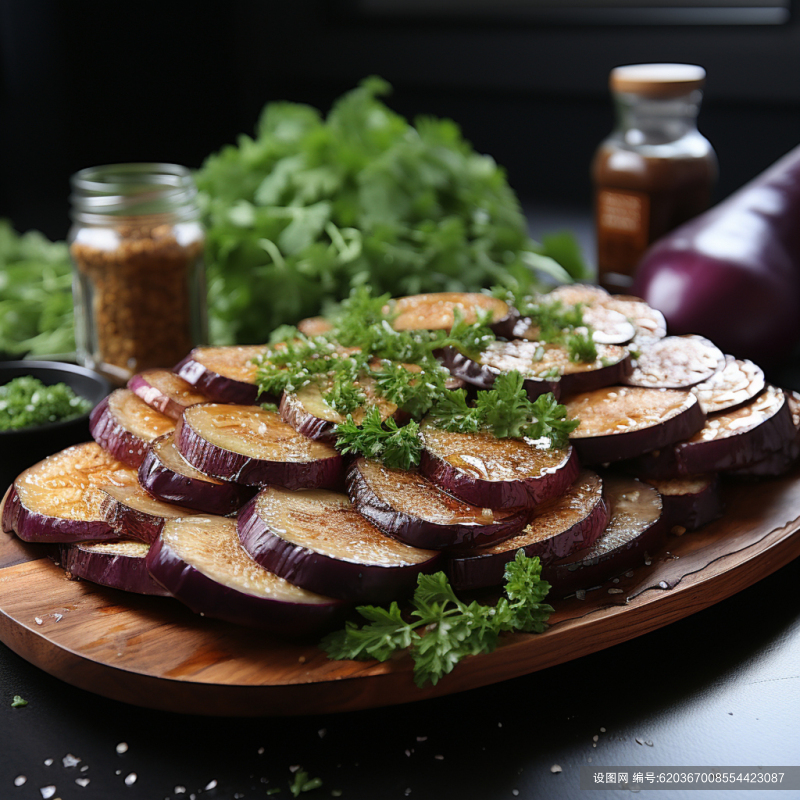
(303, 783)
(18, 702)
(412, 391)
(26, 402)
(345, 395)
(406, 373)
(506, 411)
(395, 446)
(581, 346)
(274, 790)
(443, 629)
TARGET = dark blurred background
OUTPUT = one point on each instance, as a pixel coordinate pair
(86, 83)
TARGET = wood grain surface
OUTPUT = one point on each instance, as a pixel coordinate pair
(154, 652)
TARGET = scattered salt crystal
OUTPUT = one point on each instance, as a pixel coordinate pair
(336, 792)
(408, 753)
(20, 780)
(499, 724)
(615, 591)
(594, 744)
(70, 760)
(130, 779)
(663, 585)
(439, 758)
(179, 790)
(122, 747)
(580, 594)
(294, 768)
(407, 792)
(422, 738)
(629, 573)
(48, 762)
(648, 742)
(38, 620)
(58, 617)
(260, 751)
(236, 795)
(84, 782)
(602, 730)
(515, 792)
(638, 740)
(595, 738)
(555, 768)
(211, 785)
(192, 796)
(84, 767)
(648, 561)
(321, 733)
(47, 791)
(118, 772)
(616, 580)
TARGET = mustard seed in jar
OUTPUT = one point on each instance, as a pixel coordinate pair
(139, 286)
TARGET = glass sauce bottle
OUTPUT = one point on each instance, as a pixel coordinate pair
(655, 171)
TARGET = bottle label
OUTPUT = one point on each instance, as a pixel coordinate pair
(623, 223)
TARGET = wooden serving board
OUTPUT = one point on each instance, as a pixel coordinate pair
(155, 653)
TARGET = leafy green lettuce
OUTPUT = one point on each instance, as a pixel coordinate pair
(311, 208)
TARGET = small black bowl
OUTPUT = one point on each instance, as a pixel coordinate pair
(22, 448)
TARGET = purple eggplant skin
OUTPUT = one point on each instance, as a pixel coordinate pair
(481, 570)
(217, 387)
(418, 532)
(211, 599)
(740, 450)
(31, 526)
(630, 445)
(293, 413)
(156, 399)
(227, 465)
(693, 510)
(344, 580)
(172, 487)
(499, 494)
(733, 273)
(111, 436)
(511, 322)
(584, 571)
(482, 376)
(126, 573)
(130, 522)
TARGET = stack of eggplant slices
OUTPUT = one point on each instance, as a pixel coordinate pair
(253, 512)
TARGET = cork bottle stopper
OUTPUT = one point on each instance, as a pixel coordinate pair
(657, 80)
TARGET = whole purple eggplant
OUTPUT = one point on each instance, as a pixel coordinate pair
(733, 273)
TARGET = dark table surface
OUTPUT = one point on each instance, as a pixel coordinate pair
(720, 688)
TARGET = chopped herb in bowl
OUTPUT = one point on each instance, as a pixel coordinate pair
(26, 402)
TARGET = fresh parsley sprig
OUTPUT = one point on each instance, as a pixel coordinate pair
(442, 629)
(505, 411)
(395, 446)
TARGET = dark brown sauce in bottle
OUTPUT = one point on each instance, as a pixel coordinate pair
(655, 171)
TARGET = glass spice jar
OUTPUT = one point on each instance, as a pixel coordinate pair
(655, 171)
(139, 281)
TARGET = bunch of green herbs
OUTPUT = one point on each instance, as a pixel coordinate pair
(442, 629)
(312, 207)
(35, 295)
